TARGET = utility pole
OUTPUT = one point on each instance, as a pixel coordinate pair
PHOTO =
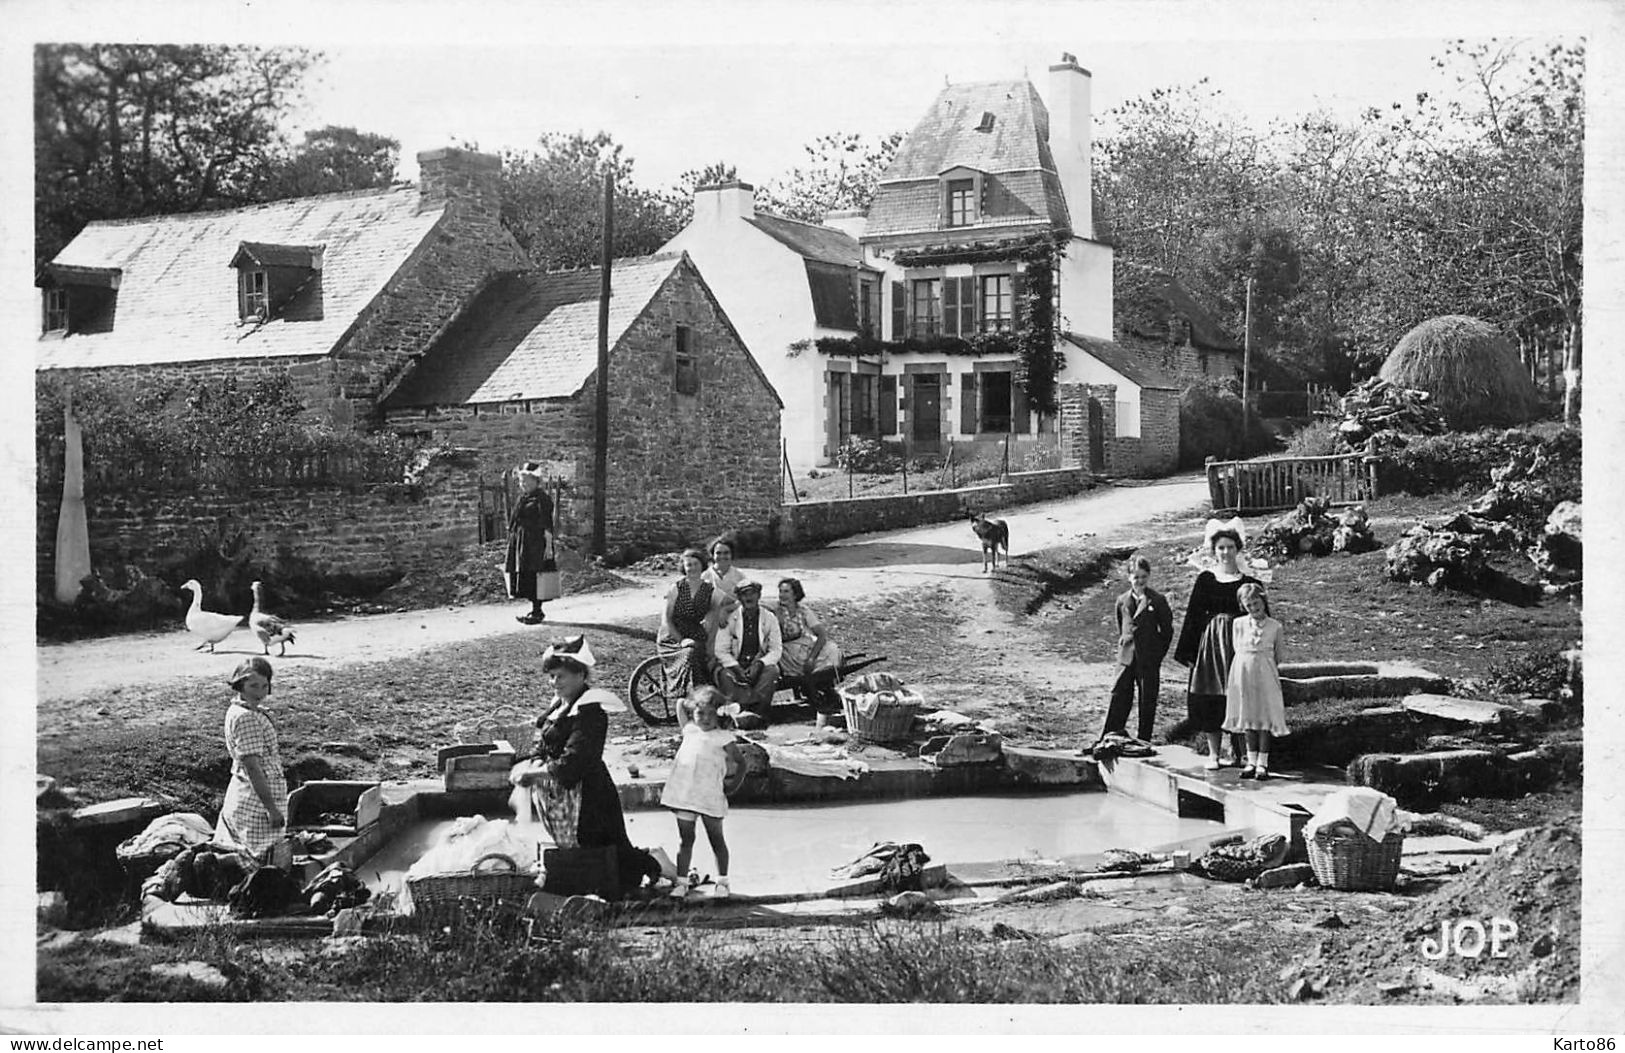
(600, 466)
(1246, 365)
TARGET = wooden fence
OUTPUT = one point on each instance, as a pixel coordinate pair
(1273, 484)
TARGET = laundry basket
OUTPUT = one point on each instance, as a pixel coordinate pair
(884, 716)
(492, 880)
(1353, 862)
(505, 723)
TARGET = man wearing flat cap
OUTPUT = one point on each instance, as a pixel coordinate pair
(747, 651)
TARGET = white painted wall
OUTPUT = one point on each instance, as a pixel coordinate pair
(1083, 368)
(762, 285)
(1086, 289)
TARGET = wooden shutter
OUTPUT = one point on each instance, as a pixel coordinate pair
(1018, 408)
(1016, 319)
(950, 307)
(888, 405)
(899, 311)
(967, 403)
(967, 307)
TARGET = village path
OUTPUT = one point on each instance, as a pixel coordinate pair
(853, 568)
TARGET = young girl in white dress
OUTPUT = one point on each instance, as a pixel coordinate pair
(694, 789)
(1253, 702)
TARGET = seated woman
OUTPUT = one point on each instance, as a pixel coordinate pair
(808, 651)
(571, 743)
(722, 574)
(694, 606)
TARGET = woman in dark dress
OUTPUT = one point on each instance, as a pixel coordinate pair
(1205, 644)
(694, 606)
(571, 743)
(531, 568)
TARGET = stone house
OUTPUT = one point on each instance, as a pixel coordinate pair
(354, 295)
(342, 291)
(989, 193)
(693, 424)
(787, 283)
(1162, 323)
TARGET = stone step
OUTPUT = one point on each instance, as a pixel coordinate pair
(1461, 710)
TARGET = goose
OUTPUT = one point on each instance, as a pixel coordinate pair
(212, 627)
(268, 627)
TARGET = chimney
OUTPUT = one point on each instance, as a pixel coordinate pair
(1071, 139)
(849, 221)
(720, 202)
(472, 181)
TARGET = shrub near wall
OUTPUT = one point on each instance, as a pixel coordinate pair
(1464, 460)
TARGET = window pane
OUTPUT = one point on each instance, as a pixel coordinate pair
(926, 316)
(995, 402)
(961, 202)
(998, 300)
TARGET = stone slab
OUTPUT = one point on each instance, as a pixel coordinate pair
(1050, 767)
(122, 810)
(1460, 710)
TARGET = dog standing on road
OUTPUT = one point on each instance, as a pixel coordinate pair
(995, 534)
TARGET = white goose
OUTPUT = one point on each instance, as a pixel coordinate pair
(268, 627)
(207, 624)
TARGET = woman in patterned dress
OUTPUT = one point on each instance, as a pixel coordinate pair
(809, 653)
(254, 815)
(1205, 642)
(693, 608)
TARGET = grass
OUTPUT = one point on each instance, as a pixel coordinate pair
(497, 960)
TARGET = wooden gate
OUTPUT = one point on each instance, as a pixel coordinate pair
(496, 505)
(1274, 484)
(1097, 437)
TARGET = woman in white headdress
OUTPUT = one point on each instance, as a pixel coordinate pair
(1205, 643)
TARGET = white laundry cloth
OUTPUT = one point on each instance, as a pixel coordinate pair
(1372, 812)
(816, 761)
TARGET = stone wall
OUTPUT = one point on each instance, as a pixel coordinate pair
(682, 468)
(1184, 362)
(380, 532)
(1156, 450)
(815, 522)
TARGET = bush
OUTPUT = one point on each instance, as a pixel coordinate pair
(867, 456)
(1463, 460)
(1210, 425)
(1319, 439)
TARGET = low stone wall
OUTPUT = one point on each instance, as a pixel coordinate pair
(378, 532)
(815, 522)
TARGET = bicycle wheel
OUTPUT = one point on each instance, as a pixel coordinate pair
(653, 695)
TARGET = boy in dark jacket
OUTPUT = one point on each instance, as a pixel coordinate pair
(1145, 628)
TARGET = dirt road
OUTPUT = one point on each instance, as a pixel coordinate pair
(864, 565)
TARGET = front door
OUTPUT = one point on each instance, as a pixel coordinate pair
(1097, 437)
(927, 405)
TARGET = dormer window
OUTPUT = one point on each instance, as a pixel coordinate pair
(56, 310)
(78, 300)
(986, 124)
(278, 281)
(961, 209)
(254, 292)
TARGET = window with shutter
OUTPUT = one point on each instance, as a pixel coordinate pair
(967, 403)
(950, 307)
(1018, 410)
(1017, 315)
(888, 405)
(967, 306)
(899, 312)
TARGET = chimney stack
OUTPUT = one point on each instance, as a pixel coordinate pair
(1071, 139)
(849, 221)
(719, 202)
(471, 180)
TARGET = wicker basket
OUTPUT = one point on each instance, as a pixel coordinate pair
(504, 723)
(1355, 863)
(890, 722)
(477, 888)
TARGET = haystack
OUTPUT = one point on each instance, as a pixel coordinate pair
(1471, 371)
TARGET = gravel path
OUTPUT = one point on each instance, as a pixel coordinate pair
(852, 567)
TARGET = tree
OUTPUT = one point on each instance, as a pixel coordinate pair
(136, 130)
(552, 202)
(332, 159)
(843, 172)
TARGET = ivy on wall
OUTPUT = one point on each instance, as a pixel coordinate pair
(1038, 361)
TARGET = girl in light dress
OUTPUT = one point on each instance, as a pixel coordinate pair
(694, 790)
(1253, 702)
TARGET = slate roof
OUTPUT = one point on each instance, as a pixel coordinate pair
(1020, 181)
(811, 240)
(535, 335)
(1124, 361)
(177, 298)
